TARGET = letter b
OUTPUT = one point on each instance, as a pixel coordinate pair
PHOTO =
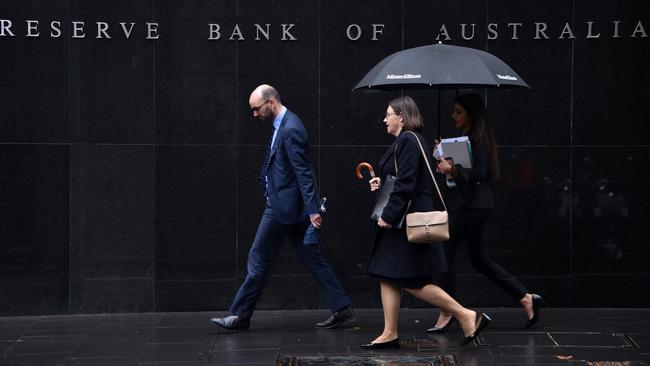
(215, 33)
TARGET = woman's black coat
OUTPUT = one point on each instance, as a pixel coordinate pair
(393, 255)
(473, 188)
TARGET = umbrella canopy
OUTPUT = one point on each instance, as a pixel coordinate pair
(441, 66)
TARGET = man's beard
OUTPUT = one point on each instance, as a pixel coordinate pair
(269, 118)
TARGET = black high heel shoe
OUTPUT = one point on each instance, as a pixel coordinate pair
(482, 322)
(537, 303)
(451, 321)
(383, 345)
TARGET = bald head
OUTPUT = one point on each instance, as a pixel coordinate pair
(265, 102)
(264, 92)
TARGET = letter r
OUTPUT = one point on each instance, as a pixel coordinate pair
(5, 26)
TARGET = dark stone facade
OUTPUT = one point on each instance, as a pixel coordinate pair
(128, 166)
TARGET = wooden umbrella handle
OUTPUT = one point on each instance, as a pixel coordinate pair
(367, 166)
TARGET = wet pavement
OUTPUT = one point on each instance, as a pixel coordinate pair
(592, 337)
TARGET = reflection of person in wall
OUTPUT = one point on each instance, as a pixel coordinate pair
(610, 213)
(397, 263)
(470, 202)
(288, 187)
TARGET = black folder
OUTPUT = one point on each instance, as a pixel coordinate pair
(386, 189)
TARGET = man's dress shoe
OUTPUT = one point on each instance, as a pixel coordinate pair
(337, 319)
(231, 322)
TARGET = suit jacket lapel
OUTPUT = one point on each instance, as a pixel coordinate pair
(278, 137)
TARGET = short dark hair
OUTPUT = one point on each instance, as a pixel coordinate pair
(269, 92)
(411, 118)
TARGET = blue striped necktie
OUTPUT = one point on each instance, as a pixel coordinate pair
(265, 168)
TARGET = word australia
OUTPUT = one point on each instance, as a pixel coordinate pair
(542, 30)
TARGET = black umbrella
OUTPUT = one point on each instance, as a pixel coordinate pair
(441, 66)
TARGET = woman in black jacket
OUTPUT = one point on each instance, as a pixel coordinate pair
(397, 263)
(469, 200)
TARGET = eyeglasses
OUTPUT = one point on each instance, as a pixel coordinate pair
(391, 114)
(257, 109)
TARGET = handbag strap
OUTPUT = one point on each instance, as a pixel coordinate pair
(395, 160)
(426, 161)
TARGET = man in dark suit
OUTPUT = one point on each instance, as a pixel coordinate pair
(287, 184)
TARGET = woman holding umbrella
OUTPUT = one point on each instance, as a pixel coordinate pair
(469, 200)
(397, 263)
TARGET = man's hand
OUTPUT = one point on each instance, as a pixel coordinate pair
(383, 224)
(316, 220)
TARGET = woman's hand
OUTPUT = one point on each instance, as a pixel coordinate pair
(383, 224)
(375, 184)
(436, 142)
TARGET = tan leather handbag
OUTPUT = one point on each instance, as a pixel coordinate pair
(432, 226)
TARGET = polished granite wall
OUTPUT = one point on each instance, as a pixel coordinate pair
(128, 167)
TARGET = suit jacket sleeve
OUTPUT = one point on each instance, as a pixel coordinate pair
(407, 155)
(479, 171)
(298, 153)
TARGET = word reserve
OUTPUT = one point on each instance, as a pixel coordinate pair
(77, 29)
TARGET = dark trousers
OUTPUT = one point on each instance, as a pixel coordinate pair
(270, 235)
(470, 227)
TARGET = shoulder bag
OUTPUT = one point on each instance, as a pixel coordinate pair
(432, 226)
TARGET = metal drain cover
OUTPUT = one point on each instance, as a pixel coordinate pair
(366, 360)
